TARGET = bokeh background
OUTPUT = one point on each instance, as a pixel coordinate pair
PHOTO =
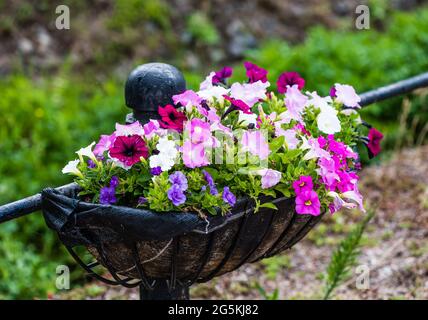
(60, 89)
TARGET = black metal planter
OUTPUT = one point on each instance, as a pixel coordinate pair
(164, 254)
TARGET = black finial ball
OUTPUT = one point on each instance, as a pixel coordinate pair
(152, 85)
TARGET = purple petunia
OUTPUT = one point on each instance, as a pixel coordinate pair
(229, 197)
(179, 179)
(176, 195)
(114, 182)
(142, 200)
(156, 171)
(209, 179)
(91, 164)
(108, 195)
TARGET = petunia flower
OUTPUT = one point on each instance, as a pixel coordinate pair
(307, 202)
(129, 129)
(71, 167)
(228, 197)
(346, 94)
(315, 151)
(236, 104)
(270, 177)
(304, 183)
(289, 79)
(375, 137)
(328, 122)
(255, 73)
(156, 171)
(128, 150)
(176, 195)
(187, 99)
(295, 101)
(333, 92)
(194, 154)
(171, 118)
(221, 75)
(178, 178)
(87, 152)
(104, 144)
(255, 143)
(108, 195)
(198, 130)
(289, 136)
(151, 128)
(162, 161)
(249, 93)
(209, 179)
(247, 118)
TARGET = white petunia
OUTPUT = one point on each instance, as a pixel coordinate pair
(346, 94)
(165, 145)
(87, 152)
(161, 160)
(322, 103)
(328, 122)
(208, 82)
(71, 167)
(247, 119)
(213, 92)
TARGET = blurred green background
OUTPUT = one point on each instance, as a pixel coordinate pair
(61, 89)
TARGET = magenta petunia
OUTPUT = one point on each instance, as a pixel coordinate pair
(129, 150)
(304, 183)
(237, 104)
(289, 79)
(375, 137)
(171, 118)
(221, 75)
(308, 202)
(255, 73)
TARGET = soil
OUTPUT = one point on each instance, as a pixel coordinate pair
(394, 248)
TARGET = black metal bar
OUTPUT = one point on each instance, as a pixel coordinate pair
(28, 205)
(395, 89)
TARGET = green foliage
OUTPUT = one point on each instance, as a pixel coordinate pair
(202, 29)
(42, 124)
(129, 13)
(267, 296)
(344, 257)
(274, 265)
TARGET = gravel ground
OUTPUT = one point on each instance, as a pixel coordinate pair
(395, 247)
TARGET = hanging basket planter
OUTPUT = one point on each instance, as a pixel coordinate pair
(196, 184)
(136, 244)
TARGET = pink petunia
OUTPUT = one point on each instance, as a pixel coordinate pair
(198, 130)
(187, 97)
(194, 155)
(304, 183)
(249, 93)
(255, 143)
(346, 94)
(104, 144)
(308, 202)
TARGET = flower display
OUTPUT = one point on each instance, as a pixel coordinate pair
(221, 143)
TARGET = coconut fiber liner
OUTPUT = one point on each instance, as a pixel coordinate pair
(134, 242)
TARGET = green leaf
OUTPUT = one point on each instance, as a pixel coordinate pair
(269, 205)
(276, 144)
